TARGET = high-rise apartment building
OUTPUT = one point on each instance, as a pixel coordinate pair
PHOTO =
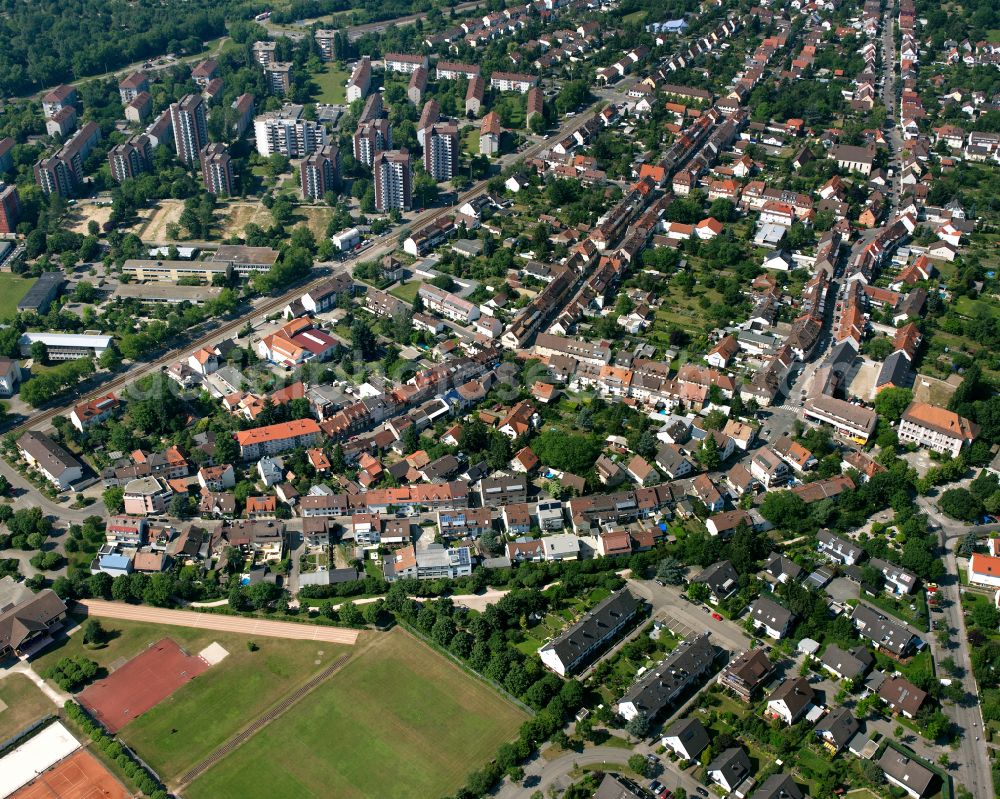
(130, 158)
(441, 150)
(10, 207)
(187, 118)
(370, 138)
(217, 169)
(326, 42)
(286, 132)
(319, 172)
(393, 180)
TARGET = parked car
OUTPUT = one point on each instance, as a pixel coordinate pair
(717, 617)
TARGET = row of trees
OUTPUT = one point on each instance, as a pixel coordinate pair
(123, 758)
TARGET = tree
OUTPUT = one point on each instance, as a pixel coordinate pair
(639, 765)
(638, 726)
(959, 503)
(698, 592)
(93, 633)
(73, 673)
(671, 571)
(39, 352)
(968, 545)
(891, 403)
(114, 499)
(363, 340)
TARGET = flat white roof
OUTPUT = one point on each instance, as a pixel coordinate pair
(34, 757)
(68, 339)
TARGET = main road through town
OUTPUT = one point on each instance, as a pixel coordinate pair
(269, 305)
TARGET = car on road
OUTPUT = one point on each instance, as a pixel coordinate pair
(717, 617)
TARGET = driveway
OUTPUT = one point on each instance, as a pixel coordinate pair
(211, 621)
(687, 618)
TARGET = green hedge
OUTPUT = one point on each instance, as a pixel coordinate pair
(143, 779)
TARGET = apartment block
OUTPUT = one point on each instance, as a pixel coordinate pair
(278, 76)
(326, 42)
(286, 132)
(393, 180)
(371, 137)
(10, 207)
(936, 429)
(132, 86)
(319, 172)
(130, 158)
(275, 438)
(441, 146)
(217, 169)
(187, 118)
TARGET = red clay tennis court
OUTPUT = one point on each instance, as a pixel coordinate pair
(79, 776)
(142, 683)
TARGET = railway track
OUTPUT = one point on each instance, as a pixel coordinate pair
(39, 420)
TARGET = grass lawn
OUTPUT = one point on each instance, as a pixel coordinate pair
(12, 289)
(406, 292)
(470, 141)
(236, 690)
(634, 18)
(973, 308)
(332, 82)
(398, 720)
(25, 704)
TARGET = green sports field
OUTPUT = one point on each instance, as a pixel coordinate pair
(22, 703)
(398, 720)
(12, 289)
(201, 715)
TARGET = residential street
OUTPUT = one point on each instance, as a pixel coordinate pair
(973, 763)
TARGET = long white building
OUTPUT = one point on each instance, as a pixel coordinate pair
(286, 132)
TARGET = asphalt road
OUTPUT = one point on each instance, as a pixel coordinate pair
(263, 308)
(973, 769)
(211, 621)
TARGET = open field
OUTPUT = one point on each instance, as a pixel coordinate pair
(332, 83)
(237, 690)
(932, 390)
(407, 291)
(153, 221)
(234, 217)
(12, 289)
(25, 704)
(398, 720)
(79, 215)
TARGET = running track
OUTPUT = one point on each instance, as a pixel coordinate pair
(220, 622)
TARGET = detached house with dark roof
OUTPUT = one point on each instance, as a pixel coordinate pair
(836, 728)
(770, 618)
(746, 673)
(892, 637)
(790, 700)
(722, 581)
(26, 618)
(687, 738)
(846, 665)
(906, 773)
(730, 769)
